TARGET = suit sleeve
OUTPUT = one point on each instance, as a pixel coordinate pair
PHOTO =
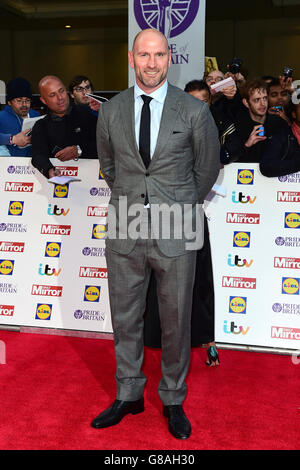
(207, 152)
(104, 149)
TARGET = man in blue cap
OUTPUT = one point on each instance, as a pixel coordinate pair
(18, 97)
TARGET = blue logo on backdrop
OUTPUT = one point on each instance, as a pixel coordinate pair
(171, 17)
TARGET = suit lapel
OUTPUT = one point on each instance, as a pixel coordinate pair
(168, 119)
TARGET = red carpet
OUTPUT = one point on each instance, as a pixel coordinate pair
(53, 386)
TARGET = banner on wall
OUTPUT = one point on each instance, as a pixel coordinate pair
(53, 270)
(52, 247)
(183, 23)
(256, 261)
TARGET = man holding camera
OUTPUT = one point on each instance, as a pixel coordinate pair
(253, 122)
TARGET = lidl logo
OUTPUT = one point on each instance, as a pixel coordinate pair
(61, 190)
(15, 208)
(238, 305)
(43, 312)
(292, 220)
(290, 286)
(53, 249)
(92, 293)
(245, 177)
(241, 239)
(6, 267)
(99, 231)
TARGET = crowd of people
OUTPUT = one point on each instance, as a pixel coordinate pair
(257, 120)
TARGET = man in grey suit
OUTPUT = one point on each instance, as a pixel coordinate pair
(180, 169)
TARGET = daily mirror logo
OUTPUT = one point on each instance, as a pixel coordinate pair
(18, 187)
(7, 310)
(238, 218)
(12, 247)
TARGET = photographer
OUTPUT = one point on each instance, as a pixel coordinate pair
(225, 106)
(226, 103)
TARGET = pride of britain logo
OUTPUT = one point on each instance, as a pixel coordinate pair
(170, 17)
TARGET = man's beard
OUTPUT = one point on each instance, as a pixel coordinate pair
(24, 112)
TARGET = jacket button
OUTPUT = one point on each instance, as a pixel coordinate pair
(143, 196)
(147, 174)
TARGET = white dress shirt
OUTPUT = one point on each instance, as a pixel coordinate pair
(156, 108)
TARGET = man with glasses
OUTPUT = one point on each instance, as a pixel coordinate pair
(18, 97)
(78, 87)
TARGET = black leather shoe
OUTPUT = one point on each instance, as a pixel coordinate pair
(179, 425)
(116, 412)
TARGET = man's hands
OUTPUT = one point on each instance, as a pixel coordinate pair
(68, 153)
(53, 172)
(21, 139)
(254, 138)
(94, 105)
(281, 113)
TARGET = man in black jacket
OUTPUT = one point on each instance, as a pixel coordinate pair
(67, 132)
(253, 122)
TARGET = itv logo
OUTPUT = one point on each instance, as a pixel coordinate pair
(241, 198)
(234, 329)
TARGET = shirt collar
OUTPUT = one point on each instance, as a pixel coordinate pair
(55, 117)
(158, 95)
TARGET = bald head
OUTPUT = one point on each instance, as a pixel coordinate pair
(54, 94)
(148, 34)
(48, 79)
(150, 58)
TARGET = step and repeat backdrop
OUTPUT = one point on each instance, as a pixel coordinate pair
(52, 252)
(255, 240)
(52, 247)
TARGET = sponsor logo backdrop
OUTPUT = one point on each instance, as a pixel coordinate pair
(256, 260)
(53, 271)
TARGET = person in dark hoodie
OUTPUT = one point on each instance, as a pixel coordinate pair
(281, 155)
(18, 97)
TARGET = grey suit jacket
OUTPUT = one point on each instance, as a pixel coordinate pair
(183, 169)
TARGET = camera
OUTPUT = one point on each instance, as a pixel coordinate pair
(235, 65)
(287, 72)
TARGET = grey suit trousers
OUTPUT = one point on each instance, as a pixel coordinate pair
(128, 283)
